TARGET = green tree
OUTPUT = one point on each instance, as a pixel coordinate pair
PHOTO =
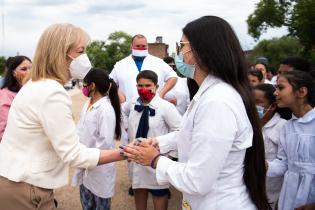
(2, 64)
(276, 50)
(105, 54)
(297, 15)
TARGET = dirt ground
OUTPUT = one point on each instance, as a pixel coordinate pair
(68, 197)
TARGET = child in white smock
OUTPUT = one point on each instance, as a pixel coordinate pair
(149, 116)
(296, 155)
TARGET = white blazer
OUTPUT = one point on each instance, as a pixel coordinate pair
(125, 73)
(211, 143)
(40, 140)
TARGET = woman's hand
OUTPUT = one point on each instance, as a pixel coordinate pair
(143, 153)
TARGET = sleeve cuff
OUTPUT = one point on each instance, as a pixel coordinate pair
(161, 170)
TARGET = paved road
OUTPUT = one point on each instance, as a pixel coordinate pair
(68, 197)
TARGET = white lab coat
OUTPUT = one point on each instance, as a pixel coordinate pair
(166, 120)
(181, 93)
(211, 143)
(125, 73)
(296, 161)
(96, 129)
(271, 134)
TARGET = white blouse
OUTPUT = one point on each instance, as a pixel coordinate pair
(211, 143)
(96, 129)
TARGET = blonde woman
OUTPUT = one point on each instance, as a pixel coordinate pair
(40, 141)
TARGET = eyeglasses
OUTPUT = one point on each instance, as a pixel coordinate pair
(180, 46)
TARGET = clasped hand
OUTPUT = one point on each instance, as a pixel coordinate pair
(141, 151)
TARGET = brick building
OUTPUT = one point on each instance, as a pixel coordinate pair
(158, 48)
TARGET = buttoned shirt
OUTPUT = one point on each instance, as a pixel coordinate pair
(96, 129)
(211, 143)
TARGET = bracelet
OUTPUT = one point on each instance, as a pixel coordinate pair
(154, 159)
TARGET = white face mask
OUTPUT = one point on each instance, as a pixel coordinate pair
(80, 66)
(140, 53)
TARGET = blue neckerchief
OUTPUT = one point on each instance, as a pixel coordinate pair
(139, 61)
(143, 127)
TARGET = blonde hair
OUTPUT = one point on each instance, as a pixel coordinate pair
(51, 60)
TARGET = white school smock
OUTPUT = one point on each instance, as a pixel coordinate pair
(212, 141)
(181, 93)
(296, 161)
(96, 129)
(125, 73)
(166, 120)
(271, 133)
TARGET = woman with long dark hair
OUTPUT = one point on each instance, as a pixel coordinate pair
(16, 70)
(220, 145)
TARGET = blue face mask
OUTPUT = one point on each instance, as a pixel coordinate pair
(185, 69)
(260, 111)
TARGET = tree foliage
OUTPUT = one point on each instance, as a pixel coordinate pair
(276, 50)
(297, 15)
(2, 64)
(104, 54)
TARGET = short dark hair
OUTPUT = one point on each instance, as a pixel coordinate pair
(148, 74)
(10, 81)
(168, 59)
(137, 36)
(256, 73)
(298, 63)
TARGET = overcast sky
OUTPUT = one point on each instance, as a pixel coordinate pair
(25, 20)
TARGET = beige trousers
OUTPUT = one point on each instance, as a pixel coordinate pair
(20, 195)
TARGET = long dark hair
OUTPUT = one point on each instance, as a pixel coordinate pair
(106, 85)
(10, 81)
(218, 50)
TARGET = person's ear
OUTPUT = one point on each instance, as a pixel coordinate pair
(157, 86)
(92, 86)
(302, 92)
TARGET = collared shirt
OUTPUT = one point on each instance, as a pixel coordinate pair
(211, 143)
(6, 98)
(165, 120)
(296, 161)
(125, 73)
(96, 129)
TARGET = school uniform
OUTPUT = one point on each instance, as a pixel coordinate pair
(125, 73)
(271, 133)
(166, 119)
(96, 129)
(211, 143)
(296, 161)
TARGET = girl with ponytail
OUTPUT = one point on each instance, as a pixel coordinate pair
(98, 127)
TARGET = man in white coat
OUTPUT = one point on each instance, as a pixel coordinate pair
(126, 70)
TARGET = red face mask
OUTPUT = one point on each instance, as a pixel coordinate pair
(146, 94)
